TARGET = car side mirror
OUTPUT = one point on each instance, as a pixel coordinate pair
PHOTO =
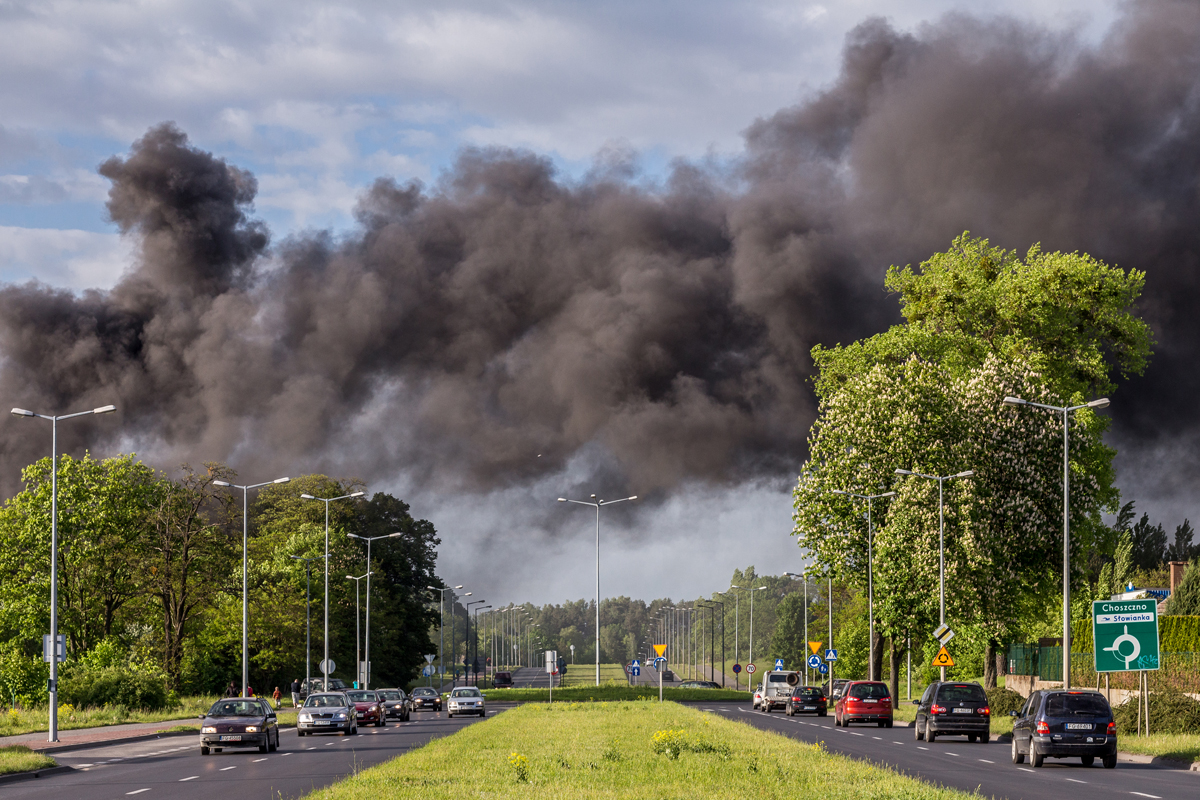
(916, 702)
(200, 716)
(1014, 713)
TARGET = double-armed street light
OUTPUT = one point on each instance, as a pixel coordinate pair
(941, 481)
(442, 624)
(357, 636)
(245, 601)
(54, 418)
(367, 649)
(308, 615)
(475, 661)
(752, 590)
(870, 498)
(1102, 402)
(467, 641)
(803, 578)
(327, 501)
(596, 504)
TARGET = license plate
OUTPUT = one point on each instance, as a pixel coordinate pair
(870, 701)
(963, 711)
(810, 708)
(231, 738)
(1078, 726)
(323, 722)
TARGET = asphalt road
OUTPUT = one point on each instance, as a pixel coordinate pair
(987, 767)
(173, 767)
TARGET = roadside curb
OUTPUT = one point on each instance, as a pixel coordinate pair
(142, 737)
(13, 777)
(1158, 761)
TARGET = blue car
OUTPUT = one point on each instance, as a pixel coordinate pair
(1065, 724)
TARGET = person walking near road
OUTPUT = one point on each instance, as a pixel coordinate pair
(296, 693)
(231, 691)
(275, 696)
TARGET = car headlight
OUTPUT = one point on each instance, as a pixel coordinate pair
(306, 717)
(209, 729)
(251, 729)
(341, 715)
(373, 708)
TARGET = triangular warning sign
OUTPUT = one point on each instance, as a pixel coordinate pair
(815, 647)
(943, 659)
(661, 649)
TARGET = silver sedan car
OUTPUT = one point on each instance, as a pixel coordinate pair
(327, 712)
(466, 700)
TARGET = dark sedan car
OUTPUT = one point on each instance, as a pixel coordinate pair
(239, 722)
(425, 698)
(369, 706)
(807, 700)
(395, 703)
(1065, 724)
(954, 709)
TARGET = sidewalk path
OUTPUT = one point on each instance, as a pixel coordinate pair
(106, 733)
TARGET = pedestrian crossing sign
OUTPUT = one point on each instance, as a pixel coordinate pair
(943, 659)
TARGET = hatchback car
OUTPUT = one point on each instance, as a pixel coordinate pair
(239, 722)
(1065, 724)
(864, 701)
(466, 700)
(953, 709)
(807, 700)
(757, 696)
(369, 706)
(395, 703)
(502, 680)
(425, 698)
(699, 685)
(327, 712)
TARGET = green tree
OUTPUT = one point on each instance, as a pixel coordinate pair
(1186, 598)
(787, 641)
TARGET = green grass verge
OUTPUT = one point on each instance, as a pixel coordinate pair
(19, 758)
(623, 750)
(612, 692)
(32, 720)
(1178, 746)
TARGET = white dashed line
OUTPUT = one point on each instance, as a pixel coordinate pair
(1024, 770)
(226, 769)
(922, 748)
(137, 791)
(895, 742)
(1072, 780)
(953, 754)
(880, 738)
(985, 761)
(255, 761)
(285, 754)
(189, 778)
(1143, 794)
(84, 766)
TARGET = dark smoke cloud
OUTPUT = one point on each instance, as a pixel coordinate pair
(659, 333)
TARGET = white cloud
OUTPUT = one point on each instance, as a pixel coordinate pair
(70, 259)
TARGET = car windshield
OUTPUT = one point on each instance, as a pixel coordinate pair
(424, 691)
(959, 692)
(869, 690)
(390, 695)
(325, 701)
(465, 693)
(777, 677)
(1079, 705)
(236, 708)
(362, 697)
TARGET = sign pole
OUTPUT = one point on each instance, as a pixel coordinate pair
(660, 696)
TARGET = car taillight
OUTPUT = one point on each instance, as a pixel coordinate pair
(1042, 727)
(1112, 729)
(936, 709)
(985, 711)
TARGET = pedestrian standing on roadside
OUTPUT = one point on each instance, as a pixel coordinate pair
(296, 693)
(231, 691)
(249, 691)
(275, 696)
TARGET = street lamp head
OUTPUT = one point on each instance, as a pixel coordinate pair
(467, 594)
(356, 536)
(732, 586)
(904, 472)
(759, 589)
(22, 412)
(888, 494)
(351, 578)
(635, 496)
(394, 535)
(222, 483)
(1014, 401)
(356, 494)
(433, 588)
(965, 473)
(562, 499)
(1101, 403)
(458, 587)
(110, 409)
(281, 480)
(838, 491)
(308, 497)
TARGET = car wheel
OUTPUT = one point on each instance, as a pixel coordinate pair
(971, 738)
(1017, 757)
(888, 724)
(985, 737)
(881, 724)
(918, 734)
(203, 750)
(930, 736)
(1035, 758)
(1088, 760)
(1109, 761)
(266, 745)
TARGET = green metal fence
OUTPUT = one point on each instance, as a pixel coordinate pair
(1022, 659)
(1177, 671)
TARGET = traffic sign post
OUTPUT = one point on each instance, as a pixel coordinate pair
(750, 668)
(660, 664)
(737, 668)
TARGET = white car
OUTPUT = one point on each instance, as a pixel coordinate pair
(466, 700)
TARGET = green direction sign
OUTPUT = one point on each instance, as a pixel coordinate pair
(1125, 633)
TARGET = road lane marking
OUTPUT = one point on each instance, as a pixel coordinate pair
(1072, 780)
(852, 733)
(1143, 794)
(895, 742)
(1024, 770)
(137, 791)
(952, 754)
(190, 778)
(255, 761)
(285, 754)
(984, 760)
(922, 748)
(880, 738)
(226, 769)
(83, 766)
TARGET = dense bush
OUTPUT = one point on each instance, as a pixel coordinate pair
(1170, 712)
(1001, 701)
(94, 688)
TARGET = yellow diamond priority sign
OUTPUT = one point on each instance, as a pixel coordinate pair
(943, 659)
(815, 647)
(661, 649)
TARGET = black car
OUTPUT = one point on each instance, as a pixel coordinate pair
(954, 709)
(1065, 724)
(423, 698)
(239, 722)
(699, 685)
(835, 692)
(807, 700)
(395, 703)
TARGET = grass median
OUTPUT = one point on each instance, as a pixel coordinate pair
(614, 691)
(18, 758)
(623, 750)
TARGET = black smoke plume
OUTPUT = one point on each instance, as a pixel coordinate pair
(655, 334)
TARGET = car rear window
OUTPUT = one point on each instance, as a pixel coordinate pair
(777, 677)
(956, 692)
(875, 690)
(390, 695)
(810, 694)
(1076, 705)
(362, 697)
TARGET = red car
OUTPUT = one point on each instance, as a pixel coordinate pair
(369, 706)
(864, 701)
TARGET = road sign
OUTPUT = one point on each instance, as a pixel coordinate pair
(426, 671)
(778, 664)
(661, 649)
(660, 663)
(635, 671)
(61, 649)
(831, 655)
(814, 661)
(636, 663)
(332, 666)
(823, 669)
(815, 647)
(943, 659)
(1125, 633)
(750, 669)
(943, 634)
(737, 668)
(429, 659)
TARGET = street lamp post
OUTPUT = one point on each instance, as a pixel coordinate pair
(712, 627)
(467, 641)
(941, 481)
(442, 625)
(367, 654)
(245, 602)
(596, 504)
(54, 418)
(737, 643)
(475, 660)
(327, 501)
(357, 637)
(1102, 402)
(803, 577)
(307, 617)
(752, 591)
(870, 498)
